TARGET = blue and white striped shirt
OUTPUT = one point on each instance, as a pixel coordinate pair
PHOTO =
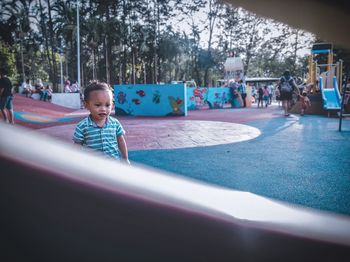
(101, 139)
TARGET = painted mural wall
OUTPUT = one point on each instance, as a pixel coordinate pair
(172, 99)
(212, 97)
(150, 100)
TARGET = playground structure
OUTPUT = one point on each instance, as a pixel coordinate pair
(328, 69)
(324, 81)
(325, 77)
(234, 69)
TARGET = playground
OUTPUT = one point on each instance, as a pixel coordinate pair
(196, 133)
(298, 160)
(261, 174)
(213, 175)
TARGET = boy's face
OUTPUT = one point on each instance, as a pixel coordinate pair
(100, 105)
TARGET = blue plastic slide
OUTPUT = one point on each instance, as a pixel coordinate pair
(331, 96)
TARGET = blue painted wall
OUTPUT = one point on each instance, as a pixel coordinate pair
(214, 97)
(170, 99)
(150, 100)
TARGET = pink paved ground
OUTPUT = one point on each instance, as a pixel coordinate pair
(149, 134)
(199, 128)
(28, 105)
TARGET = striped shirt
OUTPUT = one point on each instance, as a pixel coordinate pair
(101, 139)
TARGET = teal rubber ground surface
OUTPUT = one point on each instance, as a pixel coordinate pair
(299, 160)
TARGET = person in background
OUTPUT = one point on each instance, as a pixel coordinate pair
(233, 86)
(260, 96)
(27, 88)
(278, 96)
(266, 95)
(67, 88)
(254, 94)
(6, 97)
(346, 95)
(99, 131)
(305, 102)
(287, 87)
(39, 88)
(243, 91)
(48, 93)
(39, 84)
(75, 87)
(271, 91)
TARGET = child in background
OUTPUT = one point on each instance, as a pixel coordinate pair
(49, 93)
(260, 96)
(99, 131)
(27, 88)
(347, 94)
(67, 88)
(266, 95)
(305, 102)
(277, 96)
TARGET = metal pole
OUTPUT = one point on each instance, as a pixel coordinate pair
(21, 34)
(61, 72)
(93, 65)
(22, 61)
(342, 101)
(78, 45)
(340, 76)
(108, 77)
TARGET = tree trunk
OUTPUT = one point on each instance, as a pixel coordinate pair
(108, 77)
(46, 41)
(53, 45)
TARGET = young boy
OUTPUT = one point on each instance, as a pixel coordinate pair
(305, 102)
(99, 131)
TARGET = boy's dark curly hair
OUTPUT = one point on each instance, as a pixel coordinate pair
(93, 86)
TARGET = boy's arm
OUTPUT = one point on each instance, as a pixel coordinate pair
(78, 137)
(123, 148)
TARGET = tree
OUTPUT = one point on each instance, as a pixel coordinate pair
(214, 11)
(7, 59)
(19, 13)
(298, 42)
(45, 19)
(136, 41)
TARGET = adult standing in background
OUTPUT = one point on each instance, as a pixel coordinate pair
(243, 90)
(287, 87)
(260, 96)
(6, 97)
(271, 91)
(277, 96)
